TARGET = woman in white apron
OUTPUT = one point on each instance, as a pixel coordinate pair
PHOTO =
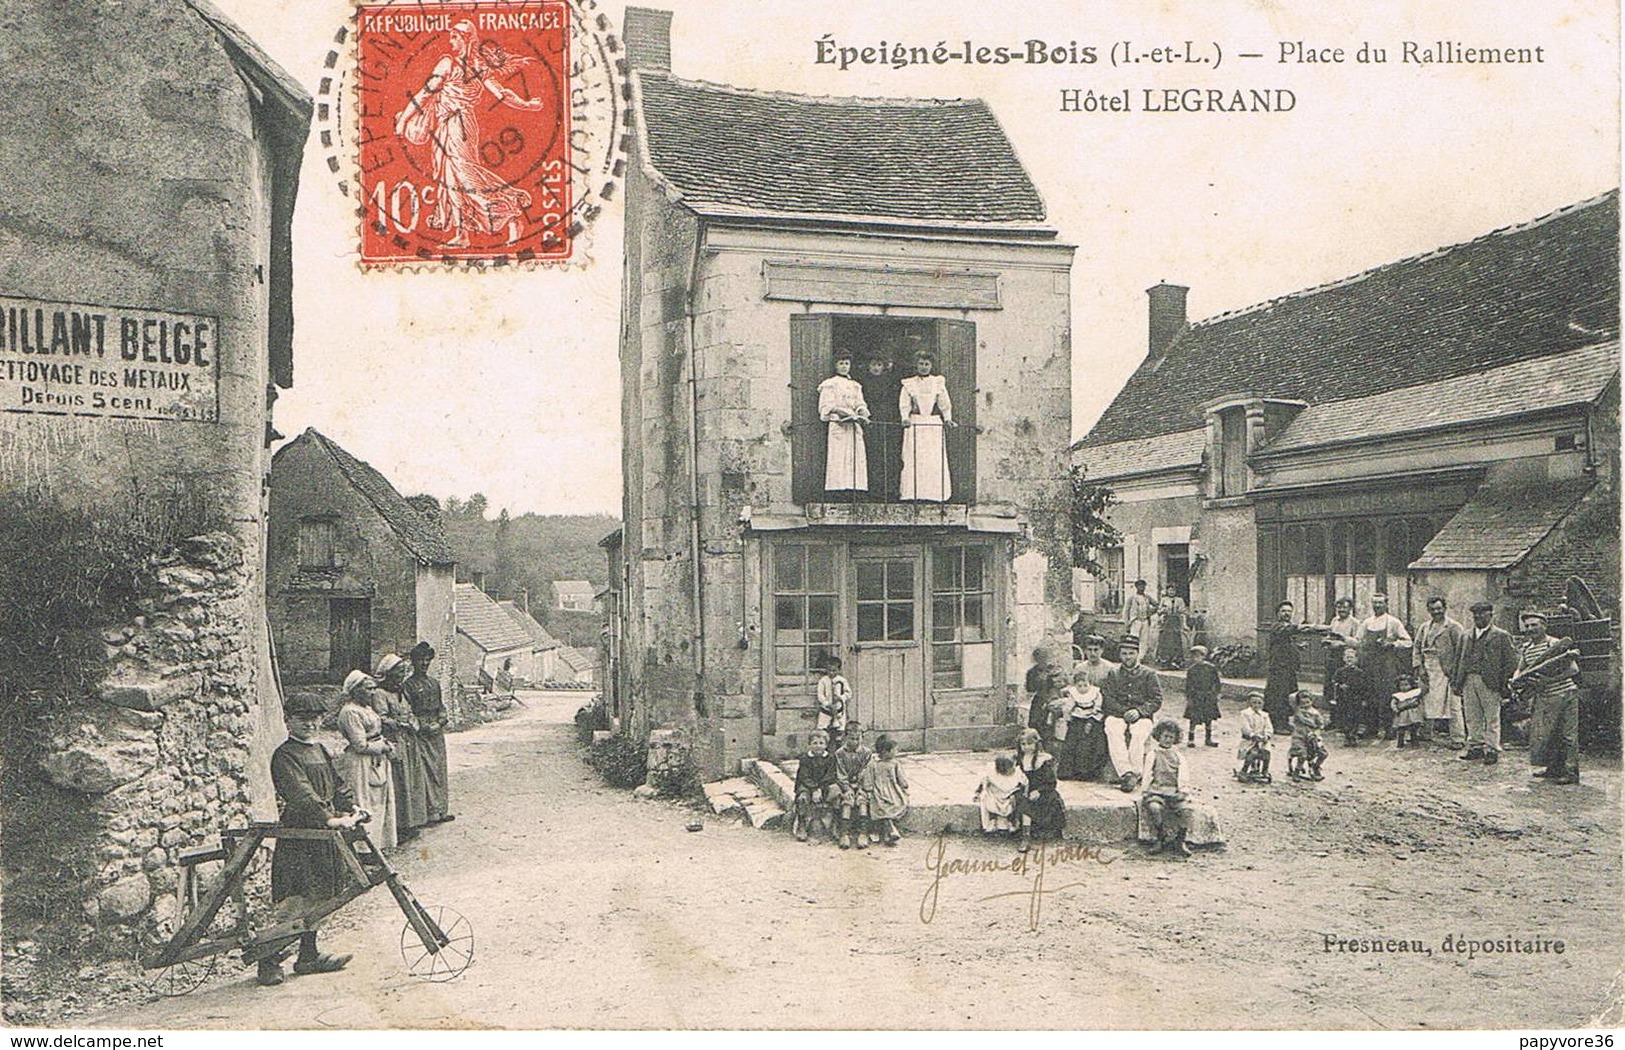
(927, 413)
(841, 405)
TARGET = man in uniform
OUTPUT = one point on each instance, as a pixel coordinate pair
(1129, 697)
(1554, 722)
(1480, 682)
(423, 693)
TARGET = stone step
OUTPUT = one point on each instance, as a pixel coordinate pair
(772, 781)
(763, 814)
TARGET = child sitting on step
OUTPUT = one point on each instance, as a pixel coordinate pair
(1164, 802)
(850, 762)
(886, 788)
(996, 796)
(816, 790)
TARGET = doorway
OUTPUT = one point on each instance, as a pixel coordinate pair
(888, 650)
(349, 636)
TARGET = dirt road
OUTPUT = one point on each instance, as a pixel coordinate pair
(592, 909)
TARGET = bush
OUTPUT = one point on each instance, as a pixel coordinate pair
(679, 781)
(620, 760)
(1235, 661)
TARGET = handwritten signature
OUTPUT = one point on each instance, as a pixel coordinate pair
(1035, 866)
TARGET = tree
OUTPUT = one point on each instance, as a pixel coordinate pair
(1091, 532)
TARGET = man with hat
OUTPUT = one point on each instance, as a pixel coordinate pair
(310, 793)
(406, 758)
(1480, 680)
(423, 693)
(1129, 697)
(1554, 722)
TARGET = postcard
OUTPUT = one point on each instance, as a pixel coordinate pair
(704, 514)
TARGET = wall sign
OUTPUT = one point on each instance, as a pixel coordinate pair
(75, 359)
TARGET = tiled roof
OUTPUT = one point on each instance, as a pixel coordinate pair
(1540, 288)
(936, 161)
(484, 621)
(1499, 525)
(574, 588)
(577, 660)
(1545, 383)
(423, 534)
(1143, 455)
(539, 637)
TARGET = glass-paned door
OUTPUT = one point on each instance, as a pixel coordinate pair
(888, 657)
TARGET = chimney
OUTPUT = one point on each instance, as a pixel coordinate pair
(648, 38)
(479, 582)
(1167, 319)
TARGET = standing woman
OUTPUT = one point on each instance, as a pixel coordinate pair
(1171, 644)
(365, 762)
(1282, 663)
(401, 730)
(841, 405)
(926, 411)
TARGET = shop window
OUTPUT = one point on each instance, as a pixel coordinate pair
(882, 461)
(804, 609)
(1303, 557)
(961, 615)
(316, 543)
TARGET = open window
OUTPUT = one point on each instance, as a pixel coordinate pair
(884, 463)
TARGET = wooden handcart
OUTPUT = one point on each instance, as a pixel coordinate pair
(436, 945)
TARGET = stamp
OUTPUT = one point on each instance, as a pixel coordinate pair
(484, 133)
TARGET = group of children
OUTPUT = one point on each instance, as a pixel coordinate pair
(863, 793)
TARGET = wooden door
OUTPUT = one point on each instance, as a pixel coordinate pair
(349, 636)
(888, 632)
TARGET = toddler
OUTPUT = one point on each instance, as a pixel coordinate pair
(1164, 803)
(1254, 752)
(816, 789)
(850, 762)
(1308, 748)
(996, 795)
(1202, 686)
(1407, 707)
(1350, 692)
(886, 789)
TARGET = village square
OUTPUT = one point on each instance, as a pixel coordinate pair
(1283, 694)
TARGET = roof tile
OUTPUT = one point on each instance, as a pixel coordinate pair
(1501, 524)
(483, 620)
(904, 159)
(1543, 287)
(424, 534)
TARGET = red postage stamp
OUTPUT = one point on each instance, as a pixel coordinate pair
(464, 136)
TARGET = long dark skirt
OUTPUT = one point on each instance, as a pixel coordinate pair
(1085, 755)
(436, 786)
(411, 793)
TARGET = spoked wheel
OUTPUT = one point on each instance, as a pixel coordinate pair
(450, 959)
(170, 982)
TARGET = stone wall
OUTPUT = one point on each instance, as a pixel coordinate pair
(161, 754)
(157, 178)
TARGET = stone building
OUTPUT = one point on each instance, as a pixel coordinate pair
(145, 327)
(490, 641)
(575, 595)
(765, 234)
(354, 569)
(1448, 424)
(544, 648)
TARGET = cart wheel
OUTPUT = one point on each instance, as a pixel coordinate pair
(171, 982)
(454, 956)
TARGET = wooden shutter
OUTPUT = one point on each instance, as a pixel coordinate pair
(810, 364)
(956, 359)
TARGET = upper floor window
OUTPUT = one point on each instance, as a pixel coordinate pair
(1231, 468)
(882, 409)
(316, 543)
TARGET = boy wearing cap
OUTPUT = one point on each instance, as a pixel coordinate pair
(1488, 658)
(1129, 698)
(310, 793)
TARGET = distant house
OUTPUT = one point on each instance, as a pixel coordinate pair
(1445, 424)
(544, 647)
(354, 569)
(577, 665)
(574, 594)
(489, 641)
